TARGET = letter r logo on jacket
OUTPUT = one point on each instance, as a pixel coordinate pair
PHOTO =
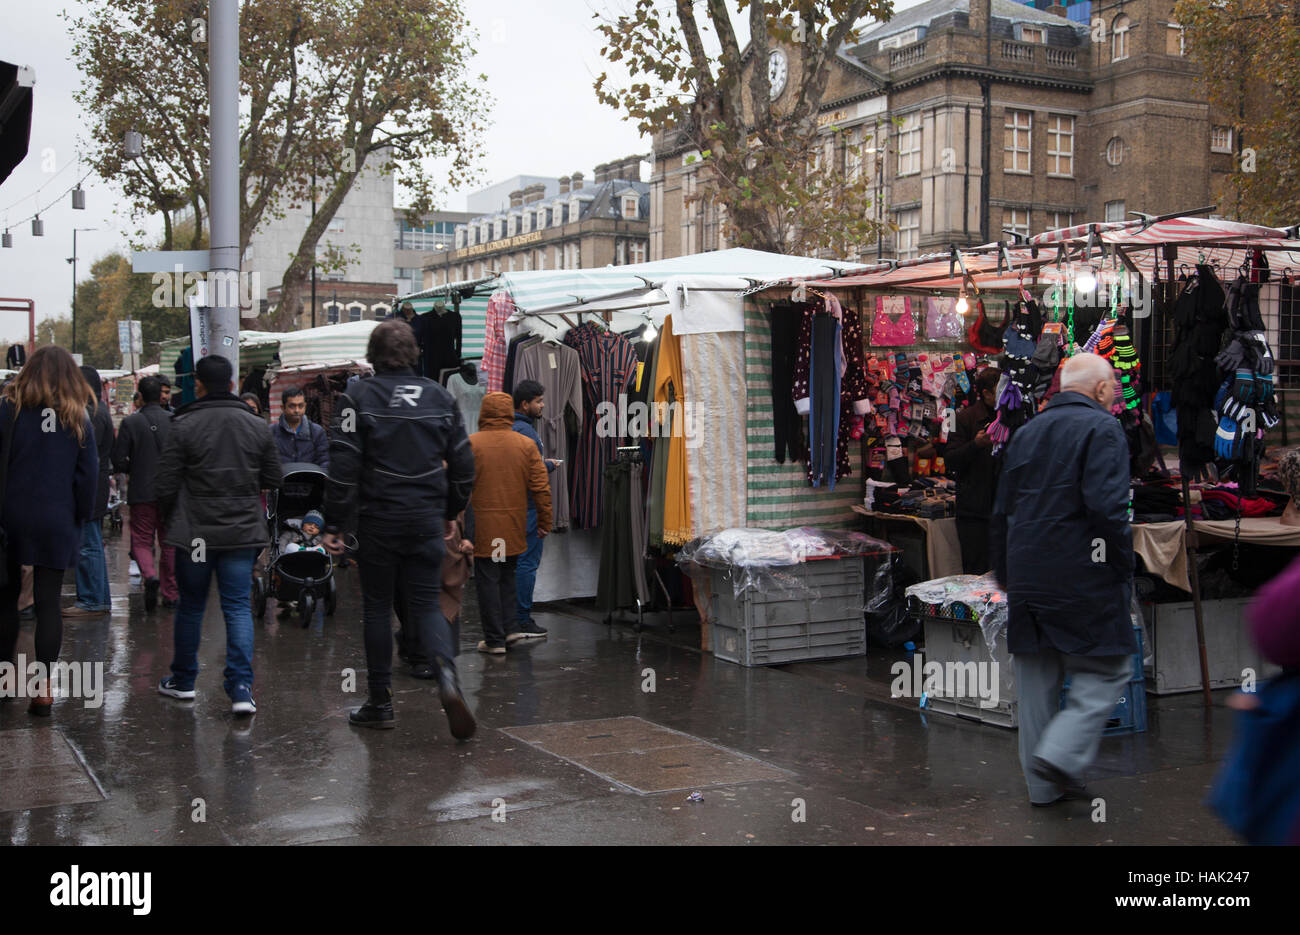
(406, 394)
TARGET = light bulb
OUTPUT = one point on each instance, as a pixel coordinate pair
(962, 305)
(651, 332)
(1086, 282)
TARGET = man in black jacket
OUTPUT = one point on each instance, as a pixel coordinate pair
(400, 466)
(93, 597)
(218, 459)
(969, 456)
(138, 450)
(1063, 549)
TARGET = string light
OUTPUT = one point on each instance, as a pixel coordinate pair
(1086, 281)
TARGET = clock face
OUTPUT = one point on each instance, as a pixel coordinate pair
(776, 72)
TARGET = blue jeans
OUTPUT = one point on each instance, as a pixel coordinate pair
(526, 571)
(234, 570)
(92, 569)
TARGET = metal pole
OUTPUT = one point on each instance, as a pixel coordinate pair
(74, 291)
(223, 178)
(313, 259)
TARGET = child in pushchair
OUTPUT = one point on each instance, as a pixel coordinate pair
(299, 571)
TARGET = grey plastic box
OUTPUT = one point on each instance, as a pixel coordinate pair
(962, 641)
(821, 620)
(1175, 659)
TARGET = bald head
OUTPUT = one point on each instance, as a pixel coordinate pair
(1090, 375)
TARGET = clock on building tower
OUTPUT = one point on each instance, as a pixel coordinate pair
(776, 72)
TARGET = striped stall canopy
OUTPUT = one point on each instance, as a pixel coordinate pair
(256, 349)
(333, 344)
(546, 289)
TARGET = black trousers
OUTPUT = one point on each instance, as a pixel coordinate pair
(413, 562)
(787, 424)
(823, 420)
(47, 586)
(498, 597)
(973, 536)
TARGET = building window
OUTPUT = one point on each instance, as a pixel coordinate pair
(620, 253)
(1115, 151)
(379, 310)
(637, 252)
(355, 310)
(1119, 38)
(1115, 211)
(1016, 220)
(1221, 140)
(1059, 219)
(630, 207)
(900, 40)
(1060, 146)
(1175, 40)
(909, 145)
(541, 258)
(909, 233)
(1033, 34)
(573, 256)
(335, 225)
(332, 313)
(1018, 127)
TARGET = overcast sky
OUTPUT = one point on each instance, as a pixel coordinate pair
(541, 59)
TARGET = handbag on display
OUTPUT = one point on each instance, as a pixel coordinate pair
(942, 323)
(984, 336)
(893, 325)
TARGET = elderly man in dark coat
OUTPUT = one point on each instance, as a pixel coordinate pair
(1063, 549)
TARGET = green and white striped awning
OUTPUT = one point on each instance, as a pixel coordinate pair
(539, 289)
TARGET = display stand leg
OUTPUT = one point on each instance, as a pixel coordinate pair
(1195, 576)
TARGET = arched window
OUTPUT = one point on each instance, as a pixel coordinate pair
(379, 310)
(332, 311)
(355, 311)
(1119, 38)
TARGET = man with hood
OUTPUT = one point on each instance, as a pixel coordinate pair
(93, 598)
(509, 469)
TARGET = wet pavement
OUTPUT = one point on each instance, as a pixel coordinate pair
(815, 753)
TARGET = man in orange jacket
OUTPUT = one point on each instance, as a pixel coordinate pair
(509, 468)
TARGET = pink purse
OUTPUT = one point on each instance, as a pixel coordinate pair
(942, 323)
(893, 325)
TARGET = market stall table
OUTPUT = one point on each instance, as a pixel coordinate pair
(942, 549)
(1163, 546)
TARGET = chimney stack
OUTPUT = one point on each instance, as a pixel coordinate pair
(564, 185)
(1056, 9)
(604, 172)
(577, 181)
(534, 193)
(517, 198)
(980, 15)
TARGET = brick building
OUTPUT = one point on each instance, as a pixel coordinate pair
(564, 223)
(984, 116)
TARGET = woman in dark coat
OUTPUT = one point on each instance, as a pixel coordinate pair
(50, 485)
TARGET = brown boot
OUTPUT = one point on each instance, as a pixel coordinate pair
(43, 704)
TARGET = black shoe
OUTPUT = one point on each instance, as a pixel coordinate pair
(151, 593)
(423, 670)
(534, 630)
(1049, 772)
(376, 712)
(459, 718)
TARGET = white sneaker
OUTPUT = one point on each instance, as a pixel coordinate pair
(135, 569)
(241, 700)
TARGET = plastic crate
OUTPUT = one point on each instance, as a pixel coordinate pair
(821, 618)
(1130, 715)
(961, 641)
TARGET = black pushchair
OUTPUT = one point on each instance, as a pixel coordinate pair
(307, 576)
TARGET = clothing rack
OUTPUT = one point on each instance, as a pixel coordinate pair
(631, 454)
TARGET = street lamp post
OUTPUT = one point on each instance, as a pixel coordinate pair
(73, 261)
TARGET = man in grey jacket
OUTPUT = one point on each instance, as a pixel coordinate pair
(219, 458)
